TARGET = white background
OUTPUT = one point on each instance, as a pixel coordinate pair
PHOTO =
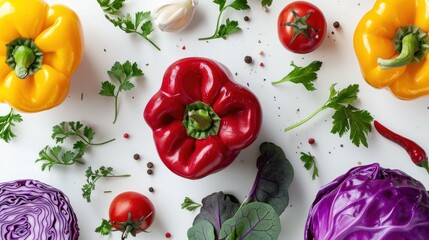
(282, 105)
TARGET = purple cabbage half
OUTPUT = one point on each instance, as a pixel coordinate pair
(31, 210)
(370, 203)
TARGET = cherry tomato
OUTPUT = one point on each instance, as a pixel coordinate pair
(301, 27)
(131, 213)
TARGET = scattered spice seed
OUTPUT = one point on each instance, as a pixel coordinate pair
(149, 164)
(151, 189)
(248, 59)
(168, 235)
(149, 171)
(246, 18)
(184, 47)
(126, 135)
(311, 141)
(336, 24)
(136, 156)
(261, 64)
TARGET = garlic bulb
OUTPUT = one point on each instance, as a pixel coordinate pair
(174, 16)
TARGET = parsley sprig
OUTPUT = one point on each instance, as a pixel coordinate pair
(346, 117)
(105, 228)
(309, 163)
(140, 24)
(93, 176)
(122, 73)
(230, 26)
(6, 123)
(59, 155)
(189, 204)
(302, 75)
(266, 3)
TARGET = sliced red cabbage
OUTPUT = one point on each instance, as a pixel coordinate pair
(30, 210)
(370, 203)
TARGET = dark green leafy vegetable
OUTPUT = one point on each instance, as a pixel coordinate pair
(253, 221)
(122, 73)
(310, 163)
(202, 230)
(302, 75)
(223, 217)
(230, 26)
(217, 208)
(140, 24)
(59, 155)
(189, 204)
(275, 175)
(93, 176)
(346, 117)
(6, 124)
(266, 3)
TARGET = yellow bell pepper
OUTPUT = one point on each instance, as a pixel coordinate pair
(40, 48)
(391, 45)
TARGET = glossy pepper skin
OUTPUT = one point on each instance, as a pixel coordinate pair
(40, 47)
(201, 119)
(389, 59)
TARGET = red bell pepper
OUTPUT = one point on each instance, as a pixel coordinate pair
(201, 119)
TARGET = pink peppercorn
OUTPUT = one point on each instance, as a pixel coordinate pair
(311, 141)
(126, 135)
(168, 235)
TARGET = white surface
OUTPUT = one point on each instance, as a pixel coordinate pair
(105, 44)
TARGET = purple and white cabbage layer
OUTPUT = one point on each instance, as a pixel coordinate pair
(31, 210)
(370, 203)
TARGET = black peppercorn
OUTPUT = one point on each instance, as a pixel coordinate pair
(149, 171)
(149, 165)
(248, 59)
(246, 18)
(136, 156)
(151, 189)
(336, 24)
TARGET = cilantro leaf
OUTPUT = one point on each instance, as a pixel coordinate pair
(93, 176)
(309, 163)
(346, 117)
(239, 5)
(105, 228)
(59, 155)
(6, 123)
(230, 26)
(189, 204)
(302, 75)
(122, 73)
(266, 3)
(111, 7)
(141, 24)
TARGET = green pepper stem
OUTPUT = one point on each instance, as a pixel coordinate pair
(425, 165)
(410, 45)
(200, 120)
(24, 57)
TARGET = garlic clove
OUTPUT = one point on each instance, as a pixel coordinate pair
(174, 16)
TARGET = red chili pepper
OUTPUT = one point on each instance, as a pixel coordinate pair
(200, 118)
(416, 153)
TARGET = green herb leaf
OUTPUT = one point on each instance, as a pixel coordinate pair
(346, 117)
(266, 3)
(107, 89)
(105, 228)
(302, 75)
(111, 7)
(203, 230)
(190, 205)
(252, 221)
(122, 73)
(140, 24)
(6, 123)
(309, 163)
(230, 26)
(93, 176)
(239, 5)
(58, 155)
